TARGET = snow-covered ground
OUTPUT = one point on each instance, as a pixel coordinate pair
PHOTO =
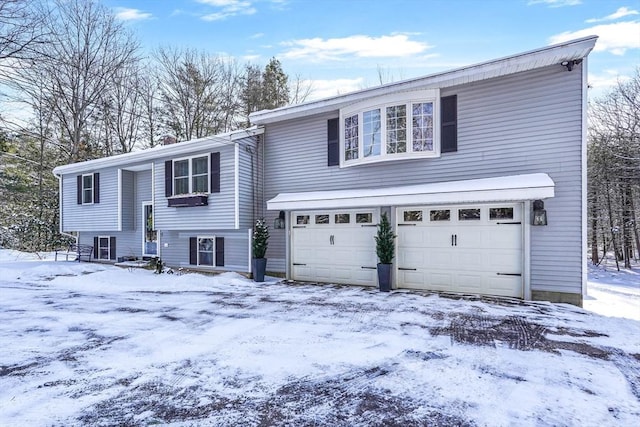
(90, 344)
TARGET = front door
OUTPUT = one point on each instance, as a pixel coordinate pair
(150, 235)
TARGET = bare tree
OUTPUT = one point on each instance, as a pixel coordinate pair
(300, 89)
(614, 170)
(21, 29)
(191, 88)
(87, 51)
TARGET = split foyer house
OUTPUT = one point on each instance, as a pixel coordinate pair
(481, 170)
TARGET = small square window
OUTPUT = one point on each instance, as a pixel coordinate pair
(440, 215)
(500, 213)
(302, 219)
(342, 218)
(413, 216)
(364, 218)
(322, 219)
(468, 214)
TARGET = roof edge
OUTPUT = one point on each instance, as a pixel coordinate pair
(150, 154)
(283, 113)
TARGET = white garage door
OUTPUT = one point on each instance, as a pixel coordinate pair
(334, 246)
(470, 249)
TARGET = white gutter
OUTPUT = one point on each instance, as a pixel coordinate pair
(157, 152)
(497, 189)
(538, 58)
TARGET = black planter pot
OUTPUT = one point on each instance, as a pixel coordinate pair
(384, 277)
(259, 267)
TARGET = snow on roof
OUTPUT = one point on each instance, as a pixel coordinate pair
(538, 58)
(160, 151)
(503, 188)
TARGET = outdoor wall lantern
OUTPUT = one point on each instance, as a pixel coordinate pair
(278, 223)
(539, 213)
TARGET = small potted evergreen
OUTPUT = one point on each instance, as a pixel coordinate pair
(385, 249)
(259, 249)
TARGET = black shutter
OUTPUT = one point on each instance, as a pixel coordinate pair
(96, 250)
(215, 173)
(449, 124)
(168, 178)
(193, 250)
(333, 142)
(219, 251)
(79, 189)
(96, 188)
(112, 248)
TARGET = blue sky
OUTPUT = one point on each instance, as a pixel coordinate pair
(343, 45)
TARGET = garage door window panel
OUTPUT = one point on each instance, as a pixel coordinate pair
(469, 214)
(364, 218)
(342, 218)
(440, 215)
(322, 219)
(302, 219)
(500, 213)
(412, 216)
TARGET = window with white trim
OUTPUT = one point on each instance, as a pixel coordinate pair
(206, 251)
(393, 127)
(104, 247)
(87, 189)
(191, 175)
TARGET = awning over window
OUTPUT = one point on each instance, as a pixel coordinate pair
(485, 190)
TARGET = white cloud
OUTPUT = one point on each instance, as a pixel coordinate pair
(228, 8)
(256, 36)
(555, 3)
(614, 38)
(327, 88)
(606, 80)
(620, 13)
(128, 14)
(362, 46)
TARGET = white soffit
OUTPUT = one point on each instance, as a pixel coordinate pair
(498, 189)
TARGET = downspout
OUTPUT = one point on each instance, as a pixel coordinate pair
(60, 210)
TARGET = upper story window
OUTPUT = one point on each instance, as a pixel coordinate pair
(87, 189)
(191, 175)
(399, 126)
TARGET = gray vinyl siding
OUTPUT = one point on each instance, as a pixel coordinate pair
(101, 216)
(127, 205)
(524, 123)
(126, 242)
(236, 248)
(218, 214)
(250, 182)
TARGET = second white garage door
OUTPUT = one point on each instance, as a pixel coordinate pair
(469, 249)
(334, 246)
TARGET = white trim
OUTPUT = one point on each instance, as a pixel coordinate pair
(236, 189)
(381, 103)
(526, 249)
(119, 199)
(534, 59)
(190, 174)
(108, 247)
(213, 253)
(144, 229)
(60, 192)
(498, 189)
(161, 151)
(93, 186)
(249, 246)
(583, 162)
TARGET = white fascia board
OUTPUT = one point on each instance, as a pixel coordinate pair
(161, 151)
(543, 57)
(498, 189)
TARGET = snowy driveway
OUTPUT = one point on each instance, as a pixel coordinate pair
(85, 344)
